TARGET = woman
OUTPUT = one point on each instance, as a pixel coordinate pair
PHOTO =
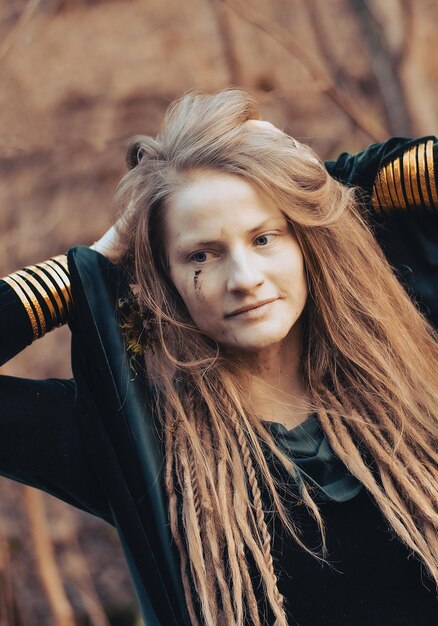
(267, 445)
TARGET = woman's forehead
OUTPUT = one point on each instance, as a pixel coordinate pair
(214, 204)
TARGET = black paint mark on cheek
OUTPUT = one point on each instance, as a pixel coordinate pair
(196, 279)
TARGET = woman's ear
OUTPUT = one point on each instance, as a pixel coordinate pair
(134, 154)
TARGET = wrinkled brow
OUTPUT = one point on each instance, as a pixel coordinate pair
(268, 223)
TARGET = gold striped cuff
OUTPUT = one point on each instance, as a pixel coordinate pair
(45, 292)
(37, 287)
(407, 182)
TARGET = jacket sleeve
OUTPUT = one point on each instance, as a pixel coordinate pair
(40, 442)
(399, 183)
(15, 329)
(396, 175)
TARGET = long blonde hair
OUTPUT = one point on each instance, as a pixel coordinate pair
(368, 359)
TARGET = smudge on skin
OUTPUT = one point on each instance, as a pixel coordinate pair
(196, 279)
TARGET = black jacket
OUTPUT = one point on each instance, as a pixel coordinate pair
(92, 441)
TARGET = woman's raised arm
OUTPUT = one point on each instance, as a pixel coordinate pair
(33, 301)
(40, 443)
(399, 179)
(399, 175)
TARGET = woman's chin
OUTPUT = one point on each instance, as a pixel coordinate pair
(254, 344)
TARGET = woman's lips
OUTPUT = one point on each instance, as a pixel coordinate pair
(252, 310)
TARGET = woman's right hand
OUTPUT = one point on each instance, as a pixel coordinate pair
(109, 245)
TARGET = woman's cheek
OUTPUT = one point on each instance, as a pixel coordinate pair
(205, 285)
(191, 291)
(197, 282)
(185, 285)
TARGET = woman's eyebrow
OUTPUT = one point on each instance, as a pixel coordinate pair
(271, 221)
(194, 243)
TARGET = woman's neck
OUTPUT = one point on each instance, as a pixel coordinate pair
(275, 384)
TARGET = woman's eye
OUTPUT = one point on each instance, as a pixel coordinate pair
(199, 257)
(262, 240)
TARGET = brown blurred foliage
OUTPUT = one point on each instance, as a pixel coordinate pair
(77, 78)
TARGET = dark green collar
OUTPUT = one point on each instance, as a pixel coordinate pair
(318, 466)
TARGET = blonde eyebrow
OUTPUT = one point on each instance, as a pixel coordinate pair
(209, 242)
(266, 223)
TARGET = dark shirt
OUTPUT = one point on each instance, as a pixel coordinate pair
(366, 567)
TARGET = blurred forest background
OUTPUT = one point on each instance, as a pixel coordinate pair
(77, 79)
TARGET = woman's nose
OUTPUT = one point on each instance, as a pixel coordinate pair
(243, 273)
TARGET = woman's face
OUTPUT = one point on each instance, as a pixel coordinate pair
(235, 261)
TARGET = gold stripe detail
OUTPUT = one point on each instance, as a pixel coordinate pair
(388, 189)
(375, 200)
(413, 172)
(379, 193)
(396, 170)
(61, 258)
(33, 300)
(48, 279)
(62, 288)
(61, 264)
(53, 290)
(422, 174)
(408, 181)
(29, 278)
(407, 178)
(25, 302)
(431, 172)
(64, 265)
(391, 187)
(387, 200)
(60, 285)
(62, 275)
